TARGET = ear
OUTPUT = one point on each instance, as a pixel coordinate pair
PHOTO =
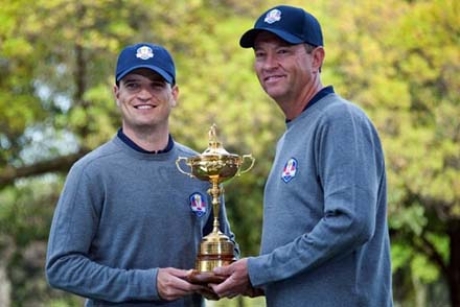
(175, 95)
(318, 57)
(116, 94)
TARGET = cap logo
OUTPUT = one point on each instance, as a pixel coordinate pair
(273, 16)
(144, 53)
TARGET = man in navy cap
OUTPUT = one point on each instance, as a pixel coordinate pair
(325, 239)
(126, 229)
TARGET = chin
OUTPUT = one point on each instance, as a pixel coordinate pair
(274, 94)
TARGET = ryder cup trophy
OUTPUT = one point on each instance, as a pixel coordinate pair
(215, 165)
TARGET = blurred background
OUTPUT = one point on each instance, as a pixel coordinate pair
(399, 60)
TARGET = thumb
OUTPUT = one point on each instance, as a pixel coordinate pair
(222, 270)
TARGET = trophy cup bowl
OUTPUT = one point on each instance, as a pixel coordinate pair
(216, 166)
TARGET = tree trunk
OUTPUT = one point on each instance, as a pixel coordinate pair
(6, 250)
(5, 287)
(454, 263)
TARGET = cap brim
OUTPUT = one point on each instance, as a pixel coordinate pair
(248, 38)
(158, 70)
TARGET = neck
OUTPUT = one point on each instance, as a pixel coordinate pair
(293, 106)
(153, 139)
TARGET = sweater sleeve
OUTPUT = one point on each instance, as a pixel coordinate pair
(69, 265)
(348, 163)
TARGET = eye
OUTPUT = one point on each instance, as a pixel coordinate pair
(132, 85)
(259, 54)
(283, 50)
(158, 85)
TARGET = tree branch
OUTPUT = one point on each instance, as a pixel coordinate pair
(431, 252)
(60, 164)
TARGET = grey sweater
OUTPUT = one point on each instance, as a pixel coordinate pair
(325, 238)
(122, 215)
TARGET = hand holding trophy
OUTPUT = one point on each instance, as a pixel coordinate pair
(215, 165)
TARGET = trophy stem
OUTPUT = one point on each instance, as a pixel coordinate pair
(215, 192)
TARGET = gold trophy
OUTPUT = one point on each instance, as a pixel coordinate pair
(215, 165)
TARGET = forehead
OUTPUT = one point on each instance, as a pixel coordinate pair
(144, 72)
(265, 37)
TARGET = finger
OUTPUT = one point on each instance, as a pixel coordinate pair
(231, 294)
(184, 285)
(223, 289)
(209, 294)
(181, 280)
(222, 271)
(171, 285)
(178, 290)
(179, 273)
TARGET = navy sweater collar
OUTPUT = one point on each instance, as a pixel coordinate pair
(322, 93)
(136, 147)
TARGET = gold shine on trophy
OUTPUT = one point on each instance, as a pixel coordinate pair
(215, 165)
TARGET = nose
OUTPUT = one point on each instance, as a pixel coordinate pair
(270, 61)
(144, 93)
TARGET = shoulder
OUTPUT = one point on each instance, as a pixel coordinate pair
(336, 104)
(100, 155)
(184, 150)
(337, 109)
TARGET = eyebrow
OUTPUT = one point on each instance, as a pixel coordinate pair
(282, 44)
(155, 79)
(130, 78)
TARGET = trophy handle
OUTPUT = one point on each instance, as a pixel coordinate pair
(249, 157)
(180, 168)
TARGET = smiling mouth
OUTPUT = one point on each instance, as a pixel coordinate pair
(272, 78)
(144, 107)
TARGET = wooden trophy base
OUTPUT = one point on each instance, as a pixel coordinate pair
(204, 278)
(204, 266)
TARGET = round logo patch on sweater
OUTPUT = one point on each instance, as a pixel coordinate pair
(289, 170)
(198, 204)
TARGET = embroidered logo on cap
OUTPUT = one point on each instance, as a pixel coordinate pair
(144, 53)
(198, 204)
(289, 170)
(273, 16)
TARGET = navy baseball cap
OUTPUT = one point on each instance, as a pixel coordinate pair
(292, 24)
(145, 55)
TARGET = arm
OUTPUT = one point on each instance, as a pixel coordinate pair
(77, 259)
(343, 190)
(349, 166)
(348, 170)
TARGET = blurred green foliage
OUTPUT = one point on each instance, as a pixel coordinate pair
(399, 60)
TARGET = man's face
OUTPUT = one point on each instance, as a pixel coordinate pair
(145, 100)
(283, 70)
